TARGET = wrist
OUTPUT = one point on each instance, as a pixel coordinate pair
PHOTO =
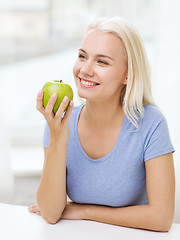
(57, 141)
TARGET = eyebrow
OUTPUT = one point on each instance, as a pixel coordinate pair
(98, 55)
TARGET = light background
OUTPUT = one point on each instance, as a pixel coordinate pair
(38, 42)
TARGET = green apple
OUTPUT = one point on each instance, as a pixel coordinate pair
(61, 89)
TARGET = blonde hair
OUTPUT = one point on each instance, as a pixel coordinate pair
(137, 91)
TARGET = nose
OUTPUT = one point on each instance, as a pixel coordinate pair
(87, 69)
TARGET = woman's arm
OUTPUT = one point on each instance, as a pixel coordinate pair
(51, 195)
(157, 215)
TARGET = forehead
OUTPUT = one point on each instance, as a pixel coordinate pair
(99, 42)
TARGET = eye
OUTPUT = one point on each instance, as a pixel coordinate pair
(82, 56)
(102, 62)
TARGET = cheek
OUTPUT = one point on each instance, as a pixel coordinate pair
(76, 69)
(75, 73)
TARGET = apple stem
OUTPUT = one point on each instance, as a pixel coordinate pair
(60, 80)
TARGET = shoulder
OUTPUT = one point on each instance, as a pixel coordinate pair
(76, 110)
(75, 114)
(152, 116)
(155, 133)
(152, 112)
(153, 122)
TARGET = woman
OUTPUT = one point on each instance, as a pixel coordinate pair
(112, 155)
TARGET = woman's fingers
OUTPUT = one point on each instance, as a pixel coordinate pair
(62, 106)
(69, 110)
(34, 209)
(48, 111)
(39, 103)
(50, 104)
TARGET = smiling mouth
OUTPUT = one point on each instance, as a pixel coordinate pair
(88, 83)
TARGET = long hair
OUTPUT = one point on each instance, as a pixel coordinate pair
(137, 91)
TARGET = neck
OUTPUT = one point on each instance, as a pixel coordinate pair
(101, 115)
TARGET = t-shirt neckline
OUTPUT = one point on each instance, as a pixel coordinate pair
(80, 148)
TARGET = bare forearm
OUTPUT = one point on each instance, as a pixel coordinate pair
(142, 216)
(51, 195)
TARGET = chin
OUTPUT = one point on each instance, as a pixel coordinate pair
(81, 95)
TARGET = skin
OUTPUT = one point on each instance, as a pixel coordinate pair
(97, 136)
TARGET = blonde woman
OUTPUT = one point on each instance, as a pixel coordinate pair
(111, 155)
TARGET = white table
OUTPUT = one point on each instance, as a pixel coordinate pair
(16, 223)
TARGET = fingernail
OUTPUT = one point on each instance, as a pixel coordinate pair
(71, 104)
(40, 92)
(54, 95)
(65, 99)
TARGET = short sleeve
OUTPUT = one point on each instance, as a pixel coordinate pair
(46, 136)
(157, 141)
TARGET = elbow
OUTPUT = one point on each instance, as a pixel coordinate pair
(163, 222)
(163, 227)
(51, 218)
(166, 224)
(51, 214)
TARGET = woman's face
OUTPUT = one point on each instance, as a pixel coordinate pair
(100, 70)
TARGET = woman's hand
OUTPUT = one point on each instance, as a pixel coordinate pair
(34, 209)
(72, 211)
(58, 126)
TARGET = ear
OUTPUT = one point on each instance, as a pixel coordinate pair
(125, 80)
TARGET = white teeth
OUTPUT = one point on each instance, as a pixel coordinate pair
(87, 83)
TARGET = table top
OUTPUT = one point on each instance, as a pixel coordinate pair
(16, 223)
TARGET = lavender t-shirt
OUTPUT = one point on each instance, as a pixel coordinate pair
(117, 179)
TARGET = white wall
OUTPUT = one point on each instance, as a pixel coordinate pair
(166, 81)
